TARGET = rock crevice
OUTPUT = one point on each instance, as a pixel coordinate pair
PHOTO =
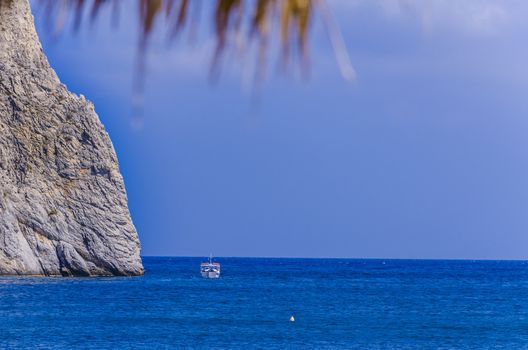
(63, 205)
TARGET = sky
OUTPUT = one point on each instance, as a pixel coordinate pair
(423, 155)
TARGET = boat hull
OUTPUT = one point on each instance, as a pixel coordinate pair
(210, 274)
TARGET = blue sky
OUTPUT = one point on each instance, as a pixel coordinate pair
(423, 155)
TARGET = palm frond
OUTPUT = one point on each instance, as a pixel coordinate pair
(251, 20)
(259, 22)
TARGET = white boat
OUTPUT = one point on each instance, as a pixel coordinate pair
(210, 269)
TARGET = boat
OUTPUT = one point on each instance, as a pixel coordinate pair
(210, 269)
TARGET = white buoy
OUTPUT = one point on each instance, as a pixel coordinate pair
(292, 319)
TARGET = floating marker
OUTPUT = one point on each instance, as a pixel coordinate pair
(292, 319)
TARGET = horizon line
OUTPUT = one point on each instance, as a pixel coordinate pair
(329, 258)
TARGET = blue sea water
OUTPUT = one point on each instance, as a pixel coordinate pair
(337, 304)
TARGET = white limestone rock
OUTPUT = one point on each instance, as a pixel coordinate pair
(63, 205)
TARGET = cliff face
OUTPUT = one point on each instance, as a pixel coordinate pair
(63, 205)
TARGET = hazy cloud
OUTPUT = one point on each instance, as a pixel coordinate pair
(469, 16)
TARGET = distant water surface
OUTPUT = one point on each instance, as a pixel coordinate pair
(348, 304)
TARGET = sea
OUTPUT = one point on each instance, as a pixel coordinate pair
(336, 304)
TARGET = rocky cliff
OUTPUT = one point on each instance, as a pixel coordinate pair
(63, 205)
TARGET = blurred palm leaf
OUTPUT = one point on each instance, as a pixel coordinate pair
(234, 20)
(237, 24)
